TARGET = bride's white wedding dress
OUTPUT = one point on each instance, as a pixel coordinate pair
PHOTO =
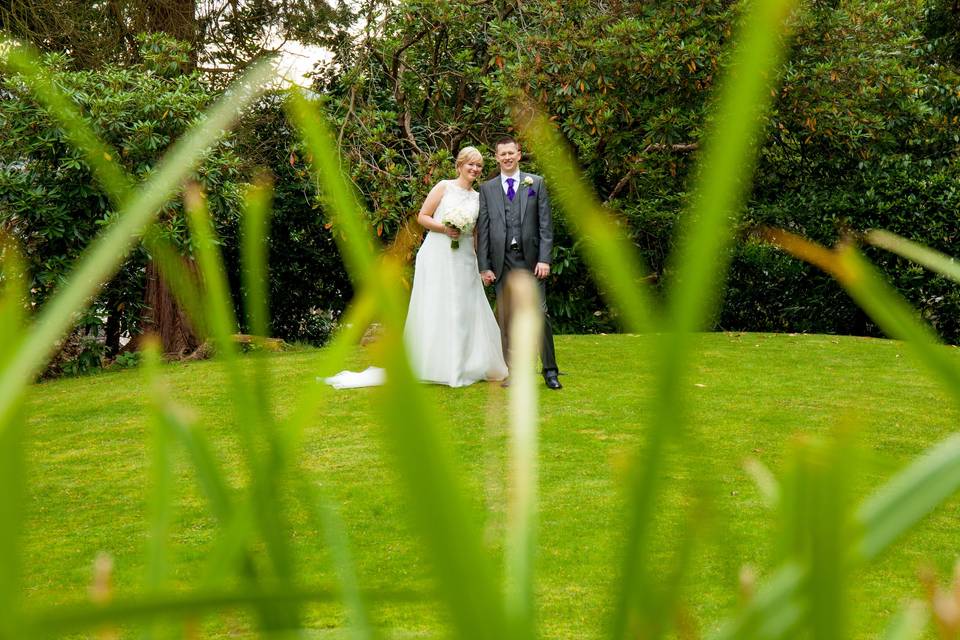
(451, 334)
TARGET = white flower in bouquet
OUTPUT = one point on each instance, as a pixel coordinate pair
(460, 220)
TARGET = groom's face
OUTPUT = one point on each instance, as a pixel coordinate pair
(508, 157)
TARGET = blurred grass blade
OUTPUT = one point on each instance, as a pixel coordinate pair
(438, 506)
(609, 253)
(725, 171)
(773, 612)
(73, 618)
(25, 61)
(160, 501)
(764, 480)
(909, 623)
(183, 282)
(327, 520)
(526, 327)
(354, 236)
(160, 497)
(355, 321)
(13, 495)
(699, 262)
(254, 254)
(437, 503)
(908, 497)
(933, 260)
(881, 302)
(888, 513)
(102, 258)
(828, 473)
(252, 424)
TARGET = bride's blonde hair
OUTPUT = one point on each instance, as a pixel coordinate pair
(467, 154)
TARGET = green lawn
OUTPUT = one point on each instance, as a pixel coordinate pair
(751, 395)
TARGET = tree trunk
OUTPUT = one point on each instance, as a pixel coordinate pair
(165, 318)
(112, 332)
(176, 18)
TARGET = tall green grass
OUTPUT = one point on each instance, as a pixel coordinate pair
(252, 564)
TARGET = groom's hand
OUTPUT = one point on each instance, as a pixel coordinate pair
(488, 277)
(542, 270)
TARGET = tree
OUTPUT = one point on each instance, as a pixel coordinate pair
(50, 202)
(863, 133)
(225, 35)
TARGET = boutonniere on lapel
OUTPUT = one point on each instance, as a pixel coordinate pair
(528, 183)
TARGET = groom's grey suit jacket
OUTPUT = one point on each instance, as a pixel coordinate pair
(536, 225)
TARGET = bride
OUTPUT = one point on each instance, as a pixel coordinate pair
(451, 334)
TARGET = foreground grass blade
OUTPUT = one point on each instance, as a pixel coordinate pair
(828, 478)
(909, 623)
(906, 499)
(25, 61)
(438, 506)
(183, 282)
(327, 520)
(251, 421)
(411, 430)
(13, 494)
(699, 263)
(881, 302)
(160, 498)
(102, 258)
(888, 513)
(611, 256)
(73, 618)
(774, 611)
(354, 236)
(254, 254)
(933, 260)
(526, 327)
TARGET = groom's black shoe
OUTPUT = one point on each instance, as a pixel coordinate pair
(550, 378)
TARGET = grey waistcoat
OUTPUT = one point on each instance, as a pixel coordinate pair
(512, 211)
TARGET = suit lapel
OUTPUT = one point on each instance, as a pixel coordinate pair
(522, 191)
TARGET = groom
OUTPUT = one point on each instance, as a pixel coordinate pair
(514, 231)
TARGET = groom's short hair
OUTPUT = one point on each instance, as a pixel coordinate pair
(506, 140)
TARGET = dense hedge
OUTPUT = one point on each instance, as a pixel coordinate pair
(862, 134)
(308, 284)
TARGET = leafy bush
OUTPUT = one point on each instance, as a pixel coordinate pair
(308, 284)
(51, 202)
(862, 131)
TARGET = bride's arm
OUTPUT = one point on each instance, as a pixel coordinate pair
(425, 217)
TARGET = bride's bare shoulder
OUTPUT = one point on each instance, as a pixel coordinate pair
(440, 187)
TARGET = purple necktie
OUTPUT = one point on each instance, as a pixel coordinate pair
(510, 192)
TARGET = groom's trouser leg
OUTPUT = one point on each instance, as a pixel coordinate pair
(547, 354)
(503, 313)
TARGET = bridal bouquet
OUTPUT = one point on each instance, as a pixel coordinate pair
(460, 220)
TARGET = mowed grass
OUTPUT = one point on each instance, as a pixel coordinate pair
(750, 395)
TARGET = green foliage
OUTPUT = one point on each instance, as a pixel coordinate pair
(252, 559)
(942, 27)
(49, 199)
(308, 286)
(127, 360)
(866, 116)
(225, 36)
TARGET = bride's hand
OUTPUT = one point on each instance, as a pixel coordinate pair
(453, 232)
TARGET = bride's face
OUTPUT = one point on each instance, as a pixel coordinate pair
(471, 169)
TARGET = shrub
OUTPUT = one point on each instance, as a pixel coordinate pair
(49, 200)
